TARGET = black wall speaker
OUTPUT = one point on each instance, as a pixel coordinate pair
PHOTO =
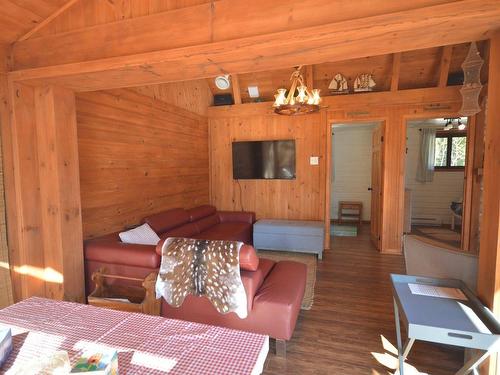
(223, 99)
(456, 79)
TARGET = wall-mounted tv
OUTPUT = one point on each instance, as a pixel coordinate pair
(264, 160)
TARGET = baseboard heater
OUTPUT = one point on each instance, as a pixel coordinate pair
(427, 220)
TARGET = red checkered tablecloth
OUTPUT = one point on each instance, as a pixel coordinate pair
(145, 344)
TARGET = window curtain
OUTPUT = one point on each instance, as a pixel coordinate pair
(425, 170)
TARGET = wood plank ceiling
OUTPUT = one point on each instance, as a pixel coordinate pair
(32, 19)
(24, 19)
(18, 17)
(418, 69)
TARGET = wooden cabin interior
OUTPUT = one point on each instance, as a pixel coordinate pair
(115, 115)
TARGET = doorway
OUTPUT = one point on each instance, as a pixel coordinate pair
(436, 154)
(355, 179)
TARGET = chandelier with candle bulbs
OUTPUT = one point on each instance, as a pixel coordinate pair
(300, 99)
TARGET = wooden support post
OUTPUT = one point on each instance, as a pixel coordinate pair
(309, 77)
(444, 67)
(235, 81)
(6, 293)
(44, 198)
(488, 283)
(396, 69)
(393, 166)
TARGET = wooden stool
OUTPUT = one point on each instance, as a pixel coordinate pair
(350, 212)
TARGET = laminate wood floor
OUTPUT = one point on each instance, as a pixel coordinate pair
(352, 317)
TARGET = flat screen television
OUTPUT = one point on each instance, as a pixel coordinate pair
(264, 160)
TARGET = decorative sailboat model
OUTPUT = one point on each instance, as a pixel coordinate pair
(338, 85)
(364, 83)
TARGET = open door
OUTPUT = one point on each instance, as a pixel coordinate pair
(376, 185)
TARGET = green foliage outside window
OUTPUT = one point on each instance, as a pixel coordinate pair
(450, 150)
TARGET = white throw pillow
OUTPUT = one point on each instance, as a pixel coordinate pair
(142, 235)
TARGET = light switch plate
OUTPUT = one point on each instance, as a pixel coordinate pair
(314, 160)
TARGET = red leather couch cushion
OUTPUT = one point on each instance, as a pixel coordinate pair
(275, 307)
(207, 222)
(249, 260)
(164, 221)
(200, 212)
(232, 231)
(238, 216)
(187, 230)
(252, 280)
(109, 249)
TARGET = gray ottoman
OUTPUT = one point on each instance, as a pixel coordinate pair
(290, 235)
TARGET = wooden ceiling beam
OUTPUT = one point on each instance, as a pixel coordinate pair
(396, 69)
(443, 96)
(444, 67)
(370, 36)
(47, 20)
(210, 22)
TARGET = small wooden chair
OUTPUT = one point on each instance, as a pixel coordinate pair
(350, 212)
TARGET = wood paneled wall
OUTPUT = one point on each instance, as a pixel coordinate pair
(194, 96)
(306, 197)
(138, 156)
(302, 198)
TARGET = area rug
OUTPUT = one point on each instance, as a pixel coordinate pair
(308, 259)
(440, 233)
(344, 230)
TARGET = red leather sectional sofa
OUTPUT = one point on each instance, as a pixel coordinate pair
(274, 290)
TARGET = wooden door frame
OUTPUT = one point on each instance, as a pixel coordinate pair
(464, 240)
(329, 123)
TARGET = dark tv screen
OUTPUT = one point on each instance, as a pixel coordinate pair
(264, 160)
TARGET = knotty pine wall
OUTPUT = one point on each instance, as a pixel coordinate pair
(194, 96)
(302, 198)
(138, 156)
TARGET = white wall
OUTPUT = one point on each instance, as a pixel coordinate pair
(430, 198)
(351, 166)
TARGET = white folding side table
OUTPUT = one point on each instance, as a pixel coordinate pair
(465, 323)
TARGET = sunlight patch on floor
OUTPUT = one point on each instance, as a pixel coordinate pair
(389, 359)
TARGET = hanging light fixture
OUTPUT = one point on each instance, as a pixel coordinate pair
(472, 82)
(300, 100)
(449, 124)
(461, 125)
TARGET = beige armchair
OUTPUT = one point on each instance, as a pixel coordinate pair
(424, 257)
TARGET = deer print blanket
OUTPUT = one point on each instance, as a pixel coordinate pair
(202, 268)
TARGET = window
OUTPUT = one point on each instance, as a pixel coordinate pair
(450, 151)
